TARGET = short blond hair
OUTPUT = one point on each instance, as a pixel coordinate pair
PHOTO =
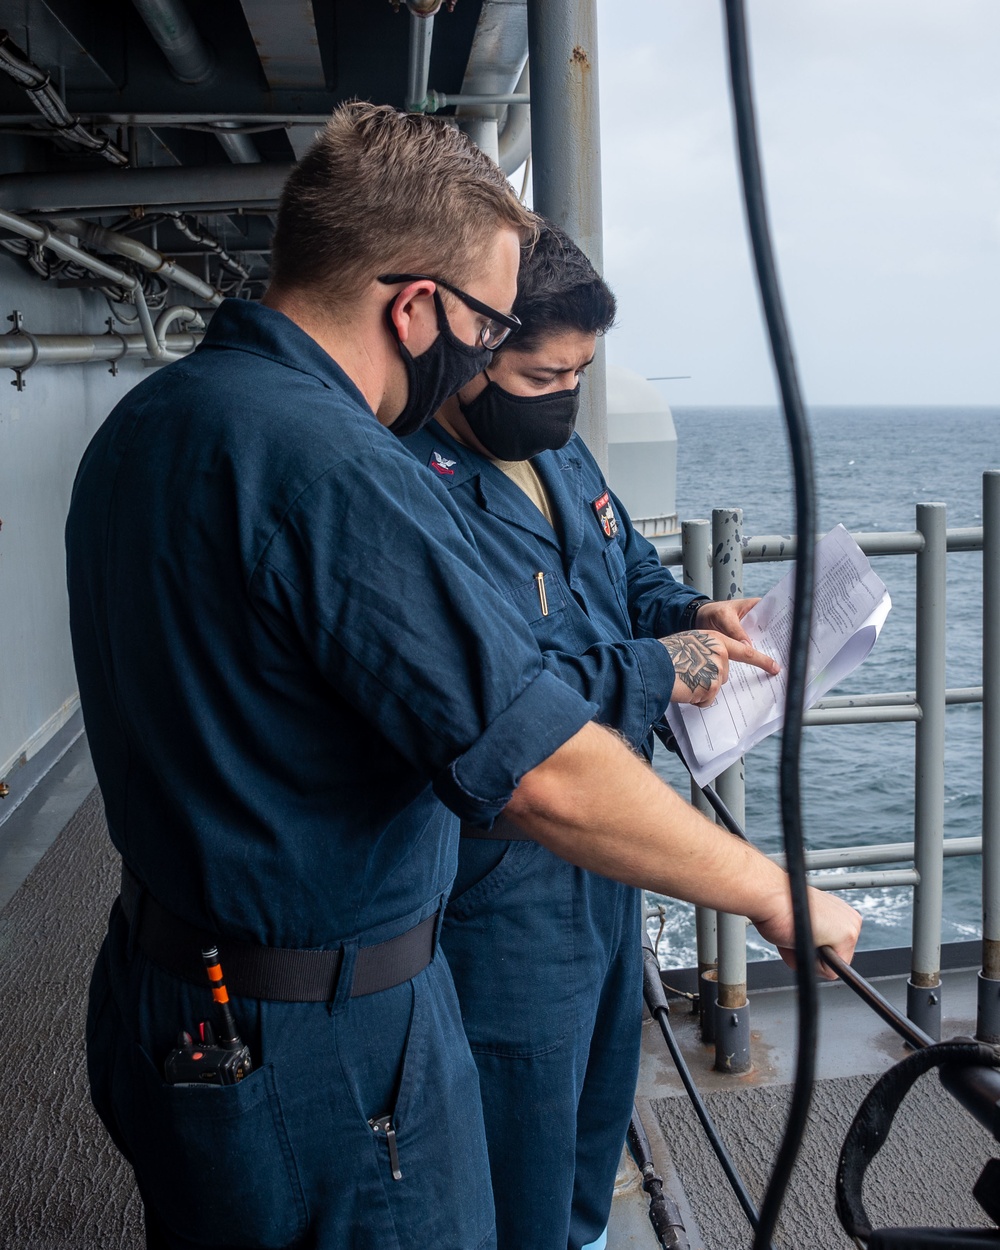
(380, 192)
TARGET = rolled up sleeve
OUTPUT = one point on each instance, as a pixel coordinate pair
(479, 783)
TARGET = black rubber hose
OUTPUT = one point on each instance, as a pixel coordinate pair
(659, 1009)
(664, 1214)
(795, 677)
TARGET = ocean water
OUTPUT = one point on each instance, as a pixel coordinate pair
(873, 465)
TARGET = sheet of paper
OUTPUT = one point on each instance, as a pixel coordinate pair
(850, 607)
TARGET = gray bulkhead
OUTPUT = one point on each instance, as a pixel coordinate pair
(44, 429)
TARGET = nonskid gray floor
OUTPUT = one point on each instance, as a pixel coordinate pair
(922, 1176)
(63, 1186)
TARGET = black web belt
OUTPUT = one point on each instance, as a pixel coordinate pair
(503, 829)
(280, 974)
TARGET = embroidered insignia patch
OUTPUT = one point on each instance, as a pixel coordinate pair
(440, 464)
(605, 513)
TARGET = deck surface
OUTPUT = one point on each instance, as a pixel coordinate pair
(923, 1176)
(66, 1188)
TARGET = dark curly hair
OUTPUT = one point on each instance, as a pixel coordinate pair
(558, 289)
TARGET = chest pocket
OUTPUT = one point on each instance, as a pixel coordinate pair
(614, 562)
(527, 597)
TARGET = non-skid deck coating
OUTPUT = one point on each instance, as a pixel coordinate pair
(922, 1176)
(63, 1186)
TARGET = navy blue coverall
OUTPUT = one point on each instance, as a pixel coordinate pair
(291, 665)
(546, 957)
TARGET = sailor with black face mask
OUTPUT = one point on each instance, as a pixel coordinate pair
(448, 363)
(546, 956)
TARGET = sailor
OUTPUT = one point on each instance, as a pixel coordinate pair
(546, 957)
(295, 675)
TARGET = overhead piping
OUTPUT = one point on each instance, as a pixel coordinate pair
(170, 24)
(49, 103)
(192, 231)
(493, 102)
(22, 351)
(229, 186)
(46, 237)
(437, 100)
(421, 39)
(132, 249)
(514, 140)
(237, 146)
(189, 118)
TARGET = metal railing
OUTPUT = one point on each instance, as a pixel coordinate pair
(713, 555)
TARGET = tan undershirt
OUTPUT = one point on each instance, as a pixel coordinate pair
(523, 473)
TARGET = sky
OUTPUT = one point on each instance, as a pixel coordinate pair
(879, 123)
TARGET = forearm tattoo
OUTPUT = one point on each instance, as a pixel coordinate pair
(693, 654)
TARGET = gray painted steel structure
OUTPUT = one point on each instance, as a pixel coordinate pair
(286, 41)
(493, 75)
(923, 989)
(930, 541)
(732, 1013)
(695, 540)
(166, 188)
(169, 22)
(43, 432)
(988, 1015)
(566, 156)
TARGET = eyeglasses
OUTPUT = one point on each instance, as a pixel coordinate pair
(497, 329)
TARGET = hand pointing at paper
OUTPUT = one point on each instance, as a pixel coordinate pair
(850, 604)
(701, 658)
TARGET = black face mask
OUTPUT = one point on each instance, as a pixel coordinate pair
(436, 374)
(517, 427)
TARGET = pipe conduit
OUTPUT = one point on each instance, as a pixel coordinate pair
(147, 257)
(22, 351)
(170, 25)
(16, 65)
(47, 237)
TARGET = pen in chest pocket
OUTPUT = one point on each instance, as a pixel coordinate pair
(540, 583)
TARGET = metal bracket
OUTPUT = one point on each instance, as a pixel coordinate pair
(19, 332)
(113, 367)
(988, 1010)
(732, 1039)
(923, 1007)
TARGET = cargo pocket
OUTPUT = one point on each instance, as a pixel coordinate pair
(215, 1162)
(515, 859)
(510, 941)
(437, 1169)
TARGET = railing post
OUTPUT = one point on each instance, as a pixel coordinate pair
(923, 991)
(988, 1013)
(696, 548)
(732, 1011)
